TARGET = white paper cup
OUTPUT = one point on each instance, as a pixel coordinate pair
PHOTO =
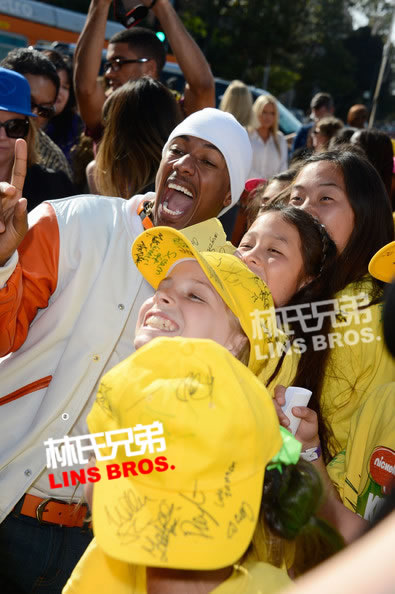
(295, 396)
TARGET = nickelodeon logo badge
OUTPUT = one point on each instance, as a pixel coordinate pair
(381, 475)
(382, 467)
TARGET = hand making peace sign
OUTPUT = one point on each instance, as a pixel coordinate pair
(13, 208)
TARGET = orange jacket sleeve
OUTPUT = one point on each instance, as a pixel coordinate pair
(32, 282)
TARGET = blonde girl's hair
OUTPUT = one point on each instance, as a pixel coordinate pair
(257, 108)
(237, 100)
(138, 118)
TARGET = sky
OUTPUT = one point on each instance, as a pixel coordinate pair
(360, 20)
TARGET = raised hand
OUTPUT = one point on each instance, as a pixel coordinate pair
(279, 401)
(307, 432)
(13, 208)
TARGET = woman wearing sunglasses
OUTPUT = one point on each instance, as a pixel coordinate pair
(15, 122)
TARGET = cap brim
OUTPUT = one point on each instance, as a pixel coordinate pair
(166, 247)
(181, 530)
(157, 250)
(16, 110)
(382, 265)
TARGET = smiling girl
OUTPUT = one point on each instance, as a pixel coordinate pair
(345, 359)
(204, 295)
(345, 193)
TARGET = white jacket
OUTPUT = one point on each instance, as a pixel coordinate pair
(71, 339)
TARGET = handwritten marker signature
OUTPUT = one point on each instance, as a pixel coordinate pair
(245, 513)
(226, 491)
(201, 523)
(195, 386)
(125, 516)
(162, 528)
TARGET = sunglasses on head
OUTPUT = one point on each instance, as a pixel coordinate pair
(15, 128)
(43, 110)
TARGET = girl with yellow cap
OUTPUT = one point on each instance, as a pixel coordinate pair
(198, 525)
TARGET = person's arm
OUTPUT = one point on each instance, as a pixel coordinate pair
(346, 522)
(87, 58)
(365, 567)
(284, 153)
(90, 177)
(27, 283)
(200, 87)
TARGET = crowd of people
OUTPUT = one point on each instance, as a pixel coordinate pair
(146, 349)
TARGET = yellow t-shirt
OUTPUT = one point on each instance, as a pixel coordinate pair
(358, 363)
(285, 374)
(363, 471)
(97, 572)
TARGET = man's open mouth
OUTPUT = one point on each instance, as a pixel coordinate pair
(177, 201)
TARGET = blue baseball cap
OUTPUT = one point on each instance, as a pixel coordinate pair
(14, 93)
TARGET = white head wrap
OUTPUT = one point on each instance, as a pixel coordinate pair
(224, 132)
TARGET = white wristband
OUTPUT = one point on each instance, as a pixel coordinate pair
(311, 454)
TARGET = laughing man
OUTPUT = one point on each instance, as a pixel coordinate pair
(69, 299)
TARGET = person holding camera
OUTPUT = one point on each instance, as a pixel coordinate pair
(134, 53)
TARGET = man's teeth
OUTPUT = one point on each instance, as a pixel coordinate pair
(180, 189)
(169, 211)
(161, 323)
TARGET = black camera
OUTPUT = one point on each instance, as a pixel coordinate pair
(129, 12)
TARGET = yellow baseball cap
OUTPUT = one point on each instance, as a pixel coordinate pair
(382, 265)
(204, 428)
(157, 250)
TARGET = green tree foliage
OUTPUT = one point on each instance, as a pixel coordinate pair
(307, 45)
(242, 37)
(304, 45)
(327, 65)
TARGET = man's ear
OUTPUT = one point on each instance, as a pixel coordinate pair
(228, 198)
(151, 69)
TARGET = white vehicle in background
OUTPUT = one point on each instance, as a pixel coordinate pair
(173, 77)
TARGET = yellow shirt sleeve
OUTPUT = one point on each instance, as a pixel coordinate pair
(358, 363)
(364, 471)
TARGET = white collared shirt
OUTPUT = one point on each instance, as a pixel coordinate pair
(266, 159)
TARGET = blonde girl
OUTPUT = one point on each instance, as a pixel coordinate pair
(270, 151)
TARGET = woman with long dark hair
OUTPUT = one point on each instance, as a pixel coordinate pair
(66, 126)
(16, 120)
(335, 318)
(138, 118)
(345, 193)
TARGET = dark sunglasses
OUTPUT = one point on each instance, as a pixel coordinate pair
(116, 64)
(16, 128)
(43, 110)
